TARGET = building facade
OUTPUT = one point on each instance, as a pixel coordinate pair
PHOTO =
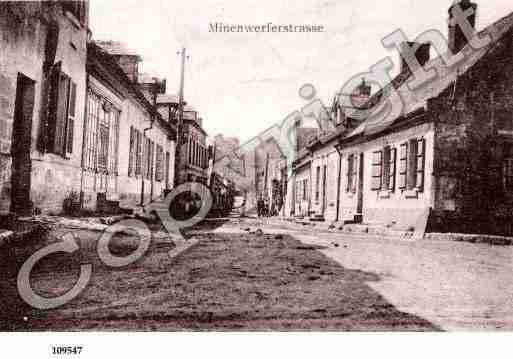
(121, 120)
(42, 93)
(194, 155)
(443, 163)
(77, 131)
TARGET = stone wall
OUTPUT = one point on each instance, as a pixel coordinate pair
(24, 27)
(470, 134)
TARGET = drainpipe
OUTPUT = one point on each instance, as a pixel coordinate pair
(339, 182)
(142, 174)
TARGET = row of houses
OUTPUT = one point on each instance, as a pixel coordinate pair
(445, 163)
(80, 126)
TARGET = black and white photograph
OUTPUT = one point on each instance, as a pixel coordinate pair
(223, 167)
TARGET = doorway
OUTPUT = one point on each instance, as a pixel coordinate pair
(20, 146)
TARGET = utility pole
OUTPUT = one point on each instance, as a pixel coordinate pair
(179, 125)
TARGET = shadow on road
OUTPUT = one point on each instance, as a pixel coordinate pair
(229, 282)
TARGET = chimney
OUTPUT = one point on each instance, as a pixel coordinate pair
(422, 54)
(361, 95)
(457, 39)
(130, 66)
(127, 59)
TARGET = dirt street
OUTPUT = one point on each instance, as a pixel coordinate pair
(227, 281)
(454, 285)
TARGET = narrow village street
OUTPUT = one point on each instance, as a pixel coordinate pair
(248, 274)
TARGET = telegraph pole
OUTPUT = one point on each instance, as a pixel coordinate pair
(179, 124)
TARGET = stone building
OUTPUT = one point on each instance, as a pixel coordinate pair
(194, 157)
(444, 161)
(128, 146)
(76, 128)
(42, 102)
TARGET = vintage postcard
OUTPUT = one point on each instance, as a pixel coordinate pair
(255, 166)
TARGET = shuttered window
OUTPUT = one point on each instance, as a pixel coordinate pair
(317, 182)
(151, 162)
(138, 152)
(391, 169)
(71, 117)
(190, 151)
(421, 156)
(403, 165)
(352, 172)
(355, 173)
(61, 113)
(349, 174)
(145, 157)
(377, 170)
(135, 158)
(166, 175)
(412, 164)
(159, 164)
(91, 131)
(131, 154)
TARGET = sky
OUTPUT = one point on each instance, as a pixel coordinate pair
(243, 83)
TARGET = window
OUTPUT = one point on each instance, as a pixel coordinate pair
(383, 169)
(403, 165)
(377, 170)
(412, 164)
(90, 135)
(159, 164)
(138, 153)
(70, 126)
(352, 173)
(131, 152)
(390, 155)
(166, 175)
(135, 153)
(317, 182)
(103, 150)
(150, 152)
(61, 113)
(189, 150)
(305, 190)
(101, 135)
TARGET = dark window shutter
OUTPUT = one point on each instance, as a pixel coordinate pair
(58, 111)
(403, 165)
(354, 175)
(391, 176)
(72, 99)
(131, 153)
(145, 155)
(152, 160)
(71, 117)
(61, 118)
(349, 172)
(377, 175)
(48, 133)
(421, 156)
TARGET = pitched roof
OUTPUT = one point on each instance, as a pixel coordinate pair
(414, 99)
(167, 98)
(100, 62)
(116, 48)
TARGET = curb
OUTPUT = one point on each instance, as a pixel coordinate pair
(374, 232)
